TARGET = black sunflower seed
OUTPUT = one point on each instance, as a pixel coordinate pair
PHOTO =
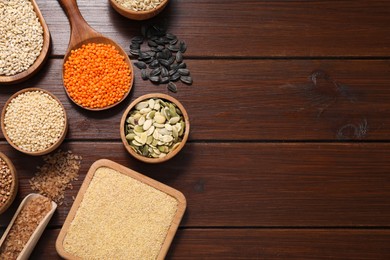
(182, 65)
(151, 53)
(143, 56)
(164, 72)
(149, 60)
(173, 48)
(164, 80)
(152, 43)
(175, 67)
(165, 63)
(184, 72)
(179, 57)
(160, 41)
(160, 48)
(173, 42)
(172, 87)
(172, 71)
(155, 72)
(154, 64)
(170, 36)
(166, 54)
(154, 79)
(171, 60)
(183, 46)
(144, 74)
(135, 46)
(186, 79)
(137, 39)
(140, 64)
(134, 52)
(175, 76)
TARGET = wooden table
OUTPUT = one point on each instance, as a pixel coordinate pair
(289, 153)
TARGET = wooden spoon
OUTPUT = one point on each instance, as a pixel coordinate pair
(81, 33)
(37, 65)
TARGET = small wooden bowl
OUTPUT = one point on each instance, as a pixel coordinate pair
(47, 150)
(14, 185)
(170, 154)
(138, 15)
(29, 246)
(39, 62)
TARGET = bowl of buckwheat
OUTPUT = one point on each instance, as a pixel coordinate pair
(154, 128)
(34, 121)
(139, 9)
(8, 183)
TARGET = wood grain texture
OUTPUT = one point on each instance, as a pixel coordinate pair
(253, 100)
(253, 184)
(248, 28)
(262, 244)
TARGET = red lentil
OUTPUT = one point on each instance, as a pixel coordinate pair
(96, 75)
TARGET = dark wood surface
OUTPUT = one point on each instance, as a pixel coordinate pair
(288, 154)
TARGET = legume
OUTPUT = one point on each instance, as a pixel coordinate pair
(139, 5)
(21, 36)
(6, 180)
(96, 75)
(120, 218)
(25, 224)
(34, 121)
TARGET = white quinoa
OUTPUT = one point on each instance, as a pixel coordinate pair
(139, 5)
(120, 218)
(34, 121)
(21, 36)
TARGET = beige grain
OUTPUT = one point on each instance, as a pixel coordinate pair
(120, 218)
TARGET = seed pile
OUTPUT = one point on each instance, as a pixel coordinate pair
(34, 121)
(162, 62)
(120, 218)
(21, 36)
(154, 128)
(24, 226)
(6, 182)
(139, 5)
(96, 75)
(56, 175)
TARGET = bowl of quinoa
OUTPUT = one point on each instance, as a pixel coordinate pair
(8, 183)
(139, 9)
(34, 121)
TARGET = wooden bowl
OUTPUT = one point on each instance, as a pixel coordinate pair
(137, 177)
(170, 154)
(33, 240)
(39, 62)
(41, 152)
(138, 15)
(14, 185)
(81, 33)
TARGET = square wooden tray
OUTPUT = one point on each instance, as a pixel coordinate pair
(137, 176)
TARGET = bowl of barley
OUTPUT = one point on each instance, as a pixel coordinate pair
(34, 121)
(8, 183)
(139, 9)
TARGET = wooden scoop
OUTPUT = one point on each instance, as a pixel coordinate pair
(38, 64)
(81, 33)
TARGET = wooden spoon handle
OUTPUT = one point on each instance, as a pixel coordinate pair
(80, 29)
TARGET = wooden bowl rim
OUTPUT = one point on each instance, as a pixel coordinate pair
(14, 185)
(176, 194)
(138, 15)
(97, 40)
(169, 155)
(47, 150)
(40, 60)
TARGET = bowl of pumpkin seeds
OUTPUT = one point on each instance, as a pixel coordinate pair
(154, 128)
